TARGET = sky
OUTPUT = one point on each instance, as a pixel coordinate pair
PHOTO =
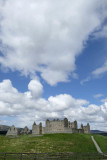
(53, 62)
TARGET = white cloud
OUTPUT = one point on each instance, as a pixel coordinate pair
(35, 88)
(101, 70)
(97, 73)
(85, 80)
(25, 108)
(104, 100)
(46, 36)
(98, 95)
(64, 101)
(102, 33)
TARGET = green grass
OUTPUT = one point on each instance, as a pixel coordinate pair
(102, 142)
(52, 143)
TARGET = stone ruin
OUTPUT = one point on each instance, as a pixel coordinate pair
(37, 129)
(12, 132)
(65, 126)
(52, 126)
(25, 130)
(86, 128)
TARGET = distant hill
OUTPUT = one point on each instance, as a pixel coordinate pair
(4, 128)
(99, 132)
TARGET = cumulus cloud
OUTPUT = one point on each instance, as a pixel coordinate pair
(30, 106)
(35, 88)
(46, 36)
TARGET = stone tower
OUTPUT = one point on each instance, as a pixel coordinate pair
(87, 128)
(36, 129)
(65, 122)
(75, 124)
(81, 126)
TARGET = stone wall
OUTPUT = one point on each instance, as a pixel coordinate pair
(55, 126)
(13, 131)
(72, 124)
(61, 126)
(80, 130)
(64, 126)
(37, 129)
(86, 128)
(25, 130)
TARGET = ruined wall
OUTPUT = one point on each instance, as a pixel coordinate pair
(73, 124)
(60, 126)
(37, 129)
(43, 130)
(70, 130)
(25, 130)
(12, 131)
(80, 130)
(65, 122)
(86, 128)
(55, 126)
(63, 126)
(52, 126)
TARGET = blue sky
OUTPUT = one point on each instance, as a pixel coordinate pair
(53, 61)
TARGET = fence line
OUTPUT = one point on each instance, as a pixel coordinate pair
(52, 156)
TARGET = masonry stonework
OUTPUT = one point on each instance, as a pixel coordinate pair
(37, 129)
(12, 131)
(25, 130)
(65, 126)
(86, 128)
(52, 126)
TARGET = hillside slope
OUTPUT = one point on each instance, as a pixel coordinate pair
(50, 143)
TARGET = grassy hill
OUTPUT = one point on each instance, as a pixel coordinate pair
(52, 143)
(102, 142)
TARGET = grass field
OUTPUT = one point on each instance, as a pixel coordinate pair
(52, 143)
(102, 142)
